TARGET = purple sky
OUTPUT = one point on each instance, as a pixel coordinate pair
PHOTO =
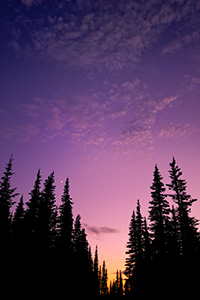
(100, 91)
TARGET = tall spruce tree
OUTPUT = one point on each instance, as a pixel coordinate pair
(185, 233)
(66, 222)
(47, 215)
(96, 272)
(82, 260)
(104, 280)
(136, 251)
(120, 288)
(188, 239)
(139, 233)
(159, 211)
(31, 216)
(131, 248)
(7, 195)
(77, 235)
(117, 281)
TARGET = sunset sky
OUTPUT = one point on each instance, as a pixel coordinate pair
(101, 91)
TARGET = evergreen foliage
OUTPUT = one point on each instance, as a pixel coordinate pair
(45, 254)
(47, 215)
(104, 280)
(7, 195)
(116, 287)
(66, 222)
(170, 253)
(159, 211)
(186, 225)
(96, 273)
(31, 217)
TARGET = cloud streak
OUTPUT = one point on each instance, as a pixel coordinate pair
(100, 231)
(111, 39)
(177, 131)
(120, 119)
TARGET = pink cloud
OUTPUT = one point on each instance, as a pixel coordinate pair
(99, 231)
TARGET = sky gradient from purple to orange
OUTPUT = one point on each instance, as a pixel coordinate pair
(100, 91)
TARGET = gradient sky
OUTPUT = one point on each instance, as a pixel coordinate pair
(100, 91)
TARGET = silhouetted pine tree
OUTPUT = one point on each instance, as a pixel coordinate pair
(120, 285)
(84, 250)
(47, 216)
(96, 273)
(185, 232)
(77, 235)
(188, 239)
(90, 260)
(159, 211)
(131, 259)
(104, 280)
(66, 222)
(100, 273)
(136, 252)
(7, 195)
(117, 282)
(82, 260)
(31, 217)
(141, 263)
(139, 233)
(116, 287)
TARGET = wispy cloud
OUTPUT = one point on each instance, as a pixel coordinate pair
(139, 131)
(31, 2)
(182, 41)
(191, 82)
(110, 38)
(120, 119)
(100, 231)
(172, 131)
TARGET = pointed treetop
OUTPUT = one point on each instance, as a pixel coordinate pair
(7, 194)
(66, 196)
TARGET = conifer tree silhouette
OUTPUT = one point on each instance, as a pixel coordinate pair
(131, 252)
(77, 235)
(120, 288)
(66, 222)
(104, 280)
(117, 281)
(185, 233)
(165, 262)
(31, 220)
(7, 195)
(187, 225)
(47, 215)
(83, 264)
(139, 233)
(96, 273)
(159, 211)
(116, 287)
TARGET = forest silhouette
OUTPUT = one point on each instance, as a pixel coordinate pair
(45, 254)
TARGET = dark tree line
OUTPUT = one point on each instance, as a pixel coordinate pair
(163, 259)
(44, 252)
